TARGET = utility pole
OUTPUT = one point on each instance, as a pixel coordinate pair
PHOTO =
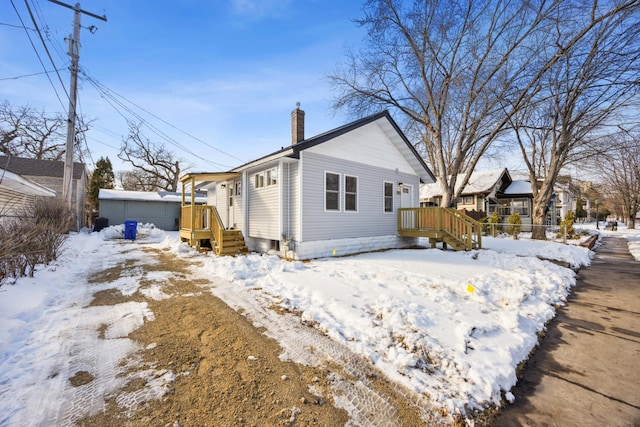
(74, 53)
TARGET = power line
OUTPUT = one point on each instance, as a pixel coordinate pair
(30, 75)
(38, 54)
(74, 53)
(44, 44)
(111, 100)
(102, 142)
(82, 134)
(167, 123)
(109, 96)
(55, 41)
(17, 26)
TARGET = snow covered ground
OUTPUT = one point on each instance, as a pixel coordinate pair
(451, 325)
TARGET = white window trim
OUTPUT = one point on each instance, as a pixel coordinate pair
(269, 176)
(384, 211)
(324, 185)
(344, 193)
(256, 179)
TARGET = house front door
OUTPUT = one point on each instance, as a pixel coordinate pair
(230, 205)
(406, 201)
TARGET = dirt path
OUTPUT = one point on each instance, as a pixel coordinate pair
(211, 366)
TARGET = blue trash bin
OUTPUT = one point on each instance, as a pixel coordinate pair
(130, 228)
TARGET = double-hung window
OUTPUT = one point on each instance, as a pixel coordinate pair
(388, 196)
(259, 179)
(332, 191)
(350, 193)
(272, 176)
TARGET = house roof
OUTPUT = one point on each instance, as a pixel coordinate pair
(519, 187)
(480, 182)
(39, 167)
(209, 176)
(147, 196)
(23, 185)
(388, 125)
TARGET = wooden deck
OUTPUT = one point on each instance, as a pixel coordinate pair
(201, 226)
(445, 225)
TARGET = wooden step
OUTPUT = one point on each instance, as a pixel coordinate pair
(454, 243)
(232, 243)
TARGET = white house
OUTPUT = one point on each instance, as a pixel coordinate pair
(335, 193)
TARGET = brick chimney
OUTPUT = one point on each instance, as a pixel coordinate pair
(297, 125)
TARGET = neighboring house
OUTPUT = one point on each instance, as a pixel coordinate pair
(18, 194)
(49, 173)
(336, 193)
(518, 198)
(566, 198)
(480, 193)
(161, 208)
(496, 190)
(486, 192)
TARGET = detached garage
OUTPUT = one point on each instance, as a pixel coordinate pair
(161, 208)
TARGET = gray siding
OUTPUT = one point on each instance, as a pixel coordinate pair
(264, 206)
(291, 200)
(163, 215)
(370, 220)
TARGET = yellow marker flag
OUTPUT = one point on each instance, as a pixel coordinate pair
(334, 252)
(470, 288)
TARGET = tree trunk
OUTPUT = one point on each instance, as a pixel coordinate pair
(631, 221)
(538, 231)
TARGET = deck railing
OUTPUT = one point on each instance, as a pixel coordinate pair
(460, 227)
(218, 229)
(203, 222)
(195, 217)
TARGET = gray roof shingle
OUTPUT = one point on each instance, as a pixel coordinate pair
(38, 167)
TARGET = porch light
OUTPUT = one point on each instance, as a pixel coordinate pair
(400, 185)
(223, 185)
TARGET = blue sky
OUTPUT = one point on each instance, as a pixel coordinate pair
(226, 72)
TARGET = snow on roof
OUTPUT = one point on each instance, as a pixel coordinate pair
(519, 187)
(428, 191)
(20, 184)
(479, 182)
(147, 196)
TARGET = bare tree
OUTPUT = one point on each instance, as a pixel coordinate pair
(586, 89)
(619, 168)
(456, 71)
(138, 180)
(26, 132)
(154, 166)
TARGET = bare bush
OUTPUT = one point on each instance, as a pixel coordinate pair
(36, 237)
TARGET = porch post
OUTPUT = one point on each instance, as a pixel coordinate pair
(181, 207)
(193, 207)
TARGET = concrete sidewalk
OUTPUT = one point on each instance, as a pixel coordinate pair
(587, 370)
